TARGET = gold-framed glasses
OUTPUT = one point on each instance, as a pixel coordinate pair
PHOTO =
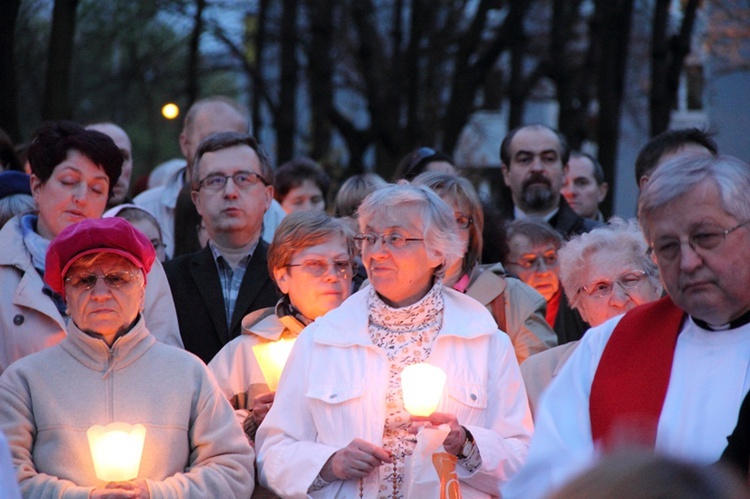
(113, 280)
(317, 268)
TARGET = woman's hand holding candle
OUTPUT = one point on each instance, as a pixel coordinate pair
(261, 405)
(132, 489)
(455, 439)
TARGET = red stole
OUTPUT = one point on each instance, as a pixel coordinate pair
(631, 381)
(553, 306)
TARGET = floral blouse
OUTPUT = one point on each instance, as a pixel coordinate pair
(406, 335)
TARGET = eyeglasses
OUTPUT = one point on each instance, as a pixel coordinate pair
(667, 250)
(218, 182)
(113, 280)
(317, 268)
(538, 261)
(393, 240)
(628, 281)
(463, 221)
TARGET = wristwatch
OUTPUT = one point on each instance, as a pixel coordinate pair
(468, 445)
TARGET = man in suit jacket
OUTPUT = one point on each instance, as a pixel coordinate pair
(214, 288)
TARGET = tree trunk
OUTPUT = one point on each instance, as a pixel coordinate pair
(567, 72)
(517, 91)
(286, 122)
(192, 85)
(612, 34)
(57, 82)
(256, 77)
(667, 58)
(320, 75)
(8, 88)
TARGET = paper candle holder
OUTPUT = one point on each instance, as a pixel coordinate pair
(116, 450)
(271, 357)
(422, 386)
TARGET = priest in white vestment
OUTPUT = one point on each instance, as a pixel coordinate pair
(670, 375)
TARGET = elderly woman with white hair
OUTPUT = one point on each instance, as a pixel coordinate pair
(604, 273)
(338, 426)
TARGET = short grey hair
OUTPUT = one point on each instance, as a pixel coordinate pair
(618, 235)
(682, 174)
(15, 204)
(439, 230)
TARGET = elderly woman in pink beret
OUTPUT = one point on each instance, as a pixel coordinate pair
(73, 174)
(109, 368)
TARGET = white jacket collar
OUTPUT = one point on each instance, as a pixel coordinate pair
(348, 324)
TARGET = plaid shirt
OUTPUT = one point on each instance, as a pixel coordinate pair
(231, 280)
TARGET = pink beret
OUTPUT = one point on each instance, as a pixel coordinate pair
(96, 235)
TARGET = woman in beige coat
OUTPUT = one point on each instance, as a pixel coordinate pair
(73, 173)
(517, 308)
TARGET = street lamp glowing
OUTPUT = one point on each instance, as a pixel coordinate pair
(170, 111)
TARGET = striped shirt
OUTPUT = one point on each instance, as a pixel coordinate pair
(231, 279)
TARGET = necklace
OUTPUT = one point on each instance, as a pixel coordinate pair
(394, 481)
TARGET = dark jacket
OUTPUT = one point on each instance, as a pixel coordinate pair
(199, 300)
(569, 325)
(566, 221)
(737, 453)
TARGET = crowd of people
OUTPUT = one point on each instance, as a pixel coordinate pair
(580, 355)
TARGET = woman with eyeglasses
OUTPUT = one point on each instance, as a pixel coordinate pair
(533, 258)
(311, 259)
(604, 273)
(73, 172)
(110, 369)
(517, 309)
(338, 426)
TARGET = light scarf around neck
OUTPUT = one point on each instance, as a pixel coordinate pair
(37, 247)
(35, 244)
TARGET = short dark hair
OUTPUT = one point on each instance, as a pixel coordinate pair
(598, 170)
(54, 139)
(667, 142)
(505, 146)
(293, 174)
(226, 140)
(416, 162)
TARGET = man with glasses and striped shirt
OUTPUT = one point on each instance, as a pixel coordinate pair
(214, 288)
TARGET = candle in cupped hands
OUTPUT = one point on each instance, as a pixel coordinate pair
(422, 386)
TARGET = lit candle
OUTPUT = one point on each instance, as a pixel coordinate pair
(116, 450)
(422, 386)
(272, 357)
